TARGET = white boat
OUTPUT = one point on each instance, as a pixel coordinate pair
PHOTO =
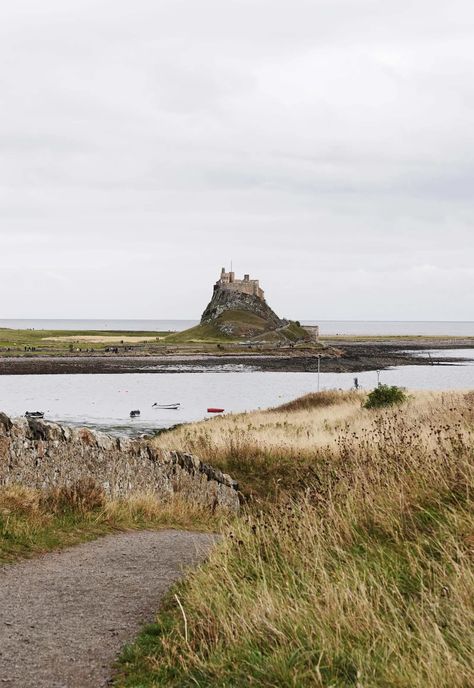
(34, 414)
(172, 407)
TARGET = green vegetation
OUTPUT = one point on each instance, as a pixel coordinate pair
(385, 395)
(62, 342)
(207, 333)
(241, 323)
(359, 573)
(34, 342)
(34, 521)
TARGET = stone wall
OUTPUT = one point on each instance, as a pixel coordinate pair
(40, 454)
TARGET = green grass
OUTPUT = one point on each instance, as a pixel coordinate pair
(13, 342)
(206, 333)
(242, 322)
(31, 343)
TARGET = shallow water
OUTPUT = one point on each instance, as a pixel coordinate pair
(105, 401)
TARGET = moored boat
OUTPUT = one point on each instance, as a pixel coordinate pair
(215, 410)
(173, 407)
(34, 414)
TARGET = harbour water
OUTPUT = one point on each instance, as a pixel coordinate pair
(105, 401)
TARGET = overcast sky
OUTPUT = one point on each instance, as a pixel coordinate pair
(325, 146)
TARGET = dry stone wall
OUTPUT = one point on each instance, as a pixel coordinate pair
(40, 454)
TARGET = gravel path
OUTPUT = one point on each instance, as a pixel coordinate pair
(65, 616)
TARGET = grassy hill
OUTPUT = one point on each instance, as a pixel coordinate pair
(244, 325)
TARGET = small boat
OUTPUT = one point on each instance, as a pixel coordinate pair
(215, 410)
(173, 407)
(134, 414)
(34, 414)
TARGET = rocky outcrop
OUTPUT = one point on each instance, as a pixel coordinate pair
(40, 454)
(227, 312)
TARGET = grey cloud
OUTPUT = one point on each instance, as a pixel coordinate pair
(325, 145)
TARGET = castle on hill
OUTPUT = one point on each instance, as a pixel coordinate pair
(228, 282)
(238, 309)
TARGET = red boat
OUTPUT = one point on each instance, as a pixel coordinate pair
(215, 410)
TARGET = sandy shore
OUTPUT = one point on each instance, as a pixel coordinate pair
(339, 356)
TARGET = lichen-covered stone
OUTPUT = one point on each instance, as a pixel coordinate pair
(39, 454)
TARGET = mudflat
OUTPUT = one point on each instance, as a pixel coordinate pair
(66, 615)
(338, 354)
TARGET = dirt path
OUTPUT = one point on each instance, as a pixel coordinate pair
(65, 616)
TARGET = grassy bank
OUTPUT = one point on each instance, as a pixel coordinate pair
(352, 565)
(34, 521)
(201, 338)
(51, 342)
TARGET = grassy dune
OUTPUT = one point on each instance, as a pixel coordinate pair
(352, 564)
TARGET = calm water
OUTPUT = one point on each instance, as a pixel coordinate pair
(105, 401)
(327, 327)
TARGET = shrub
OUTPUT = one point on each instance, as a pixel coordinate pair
(385, 395)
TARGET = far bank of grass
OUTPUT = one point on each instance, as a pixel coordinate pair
(34, 521)
(49, 342)
(352, 565)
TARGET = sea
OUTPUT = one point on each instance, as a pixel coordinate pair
(104, 402)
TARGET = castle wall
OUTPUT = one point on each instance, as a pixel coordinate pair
(246, 286)
(38, 454)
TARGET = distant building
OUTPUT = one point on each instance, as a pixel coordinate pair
(228, 282)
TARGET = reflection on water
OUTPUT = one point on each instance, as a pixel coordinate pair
(105, 401)
(467, 354)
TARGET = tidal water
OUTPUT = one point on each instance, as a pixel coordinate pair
(105, 401)
(327, 327)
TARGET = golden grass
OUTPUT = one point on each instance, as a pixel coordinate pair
(35, 521)
(361, 578)
(102, 339)
(277, 450)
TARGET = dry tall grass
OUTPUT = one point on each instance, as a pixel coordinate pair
(33, 521)
(280, 450)
(363, 579)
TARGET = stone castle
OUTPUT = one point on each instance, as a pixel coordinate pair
(238, 309)
(228, 282)
(232, 299)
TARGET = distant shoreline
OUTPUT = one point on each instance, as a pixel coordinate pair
(328, 328)
(342, 354)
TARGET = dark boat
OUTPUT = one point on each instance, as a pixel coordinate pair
(34, 414)
(173, 407)
(215, 410)
(134, 414)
